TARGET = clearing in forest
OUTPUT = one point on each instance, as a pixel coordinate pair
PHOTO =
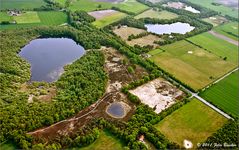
(194, 122)
(124, 32)
(190, 64)
(215, 20)
(224, 94)
(157, 14)
(158, 94)
(106, 141)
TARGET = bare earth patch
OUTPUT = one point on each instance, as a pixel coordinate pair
(158, 94)
(124, 32)
(102, 13)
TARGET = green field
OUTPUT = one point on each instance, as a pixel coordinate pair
(45, 18)
(230, 30)
(27, 17)
(106, 141)
(21, 4)
(222, 9)
(109, 19)
(155, 51)
(194, 121)
(62, 2)
(5, 17)
(52, 17)
(215, 20)
(191, 64)
(90, 5)
(224, 94)
(217, 46)
(157, 14)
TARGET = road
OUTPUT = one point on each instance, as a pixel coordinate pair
(224, 37)
(207, 103)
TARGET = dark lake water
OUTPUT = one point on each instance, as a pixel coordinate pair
(177, 27)
(48, 57)
(116, 110)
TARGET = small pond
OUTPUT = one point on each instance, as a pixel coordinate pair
(178, 27)
(191, 9)
(116, 110)
(48, 57)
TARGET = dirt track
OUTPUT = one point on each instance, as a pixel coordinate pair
(224, 37)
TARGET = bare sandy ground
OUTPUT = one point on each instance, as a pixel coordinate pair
(158, 94)
(224, 38)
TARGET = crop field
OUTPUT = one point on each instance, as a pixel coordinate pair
(106, 141)
(215, 20)
(21, 4)
(224, 94)
(225, 10)
(5, 17)
(109, 19)
(194, 122)
(217, 46)
(230, 30)
(27, 17)
(88, 5)
(40, 18)
(157, 14)
(191, 64)
(52, 17)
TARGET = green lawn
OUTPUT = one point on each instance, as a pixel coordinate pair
(109, 19)
(5, 17)
(21, 4)
(217, 46)
(222, 9)
(157, 14)
(194, 121)
(27, 17)
(155, 51)
(230, 30)
(191, 64)
(52, 17)
(224, 94)
(106, 141)
(90, 5)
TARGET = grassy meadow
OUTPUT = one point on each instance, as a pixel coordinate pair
(230, 30)
(224, 94)
(109, 19)
(31, 19)
(21, 4)
(88, 5)
(217, 46)
(194, 121)
(224, 10)
(5, 17)
(191, 64)
(157, 14)
(106, 141)
(215, 20)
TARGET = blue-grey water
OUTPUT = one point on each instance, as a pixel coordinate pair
(48, 57)
(178, 27)
(116, 110)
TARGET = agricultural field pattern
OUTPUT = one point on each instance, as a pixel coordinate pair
(119, 74)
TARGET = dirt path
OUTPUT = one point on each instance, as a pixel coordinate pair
(224, 38)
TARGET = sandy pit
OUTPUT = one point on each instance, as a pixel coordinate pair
(187, 144)
(158, 94)
(190, 52)
(102, 13)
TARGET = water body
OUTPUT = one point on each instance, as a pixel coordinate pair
(178, 27)
(48, 57)
(191, 9)
(116, 110)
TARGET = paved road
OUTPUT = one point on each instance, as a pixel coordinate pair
(224, 37)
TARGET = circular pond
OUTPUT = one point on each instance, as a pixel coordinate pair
(48, 57)
(116, 110)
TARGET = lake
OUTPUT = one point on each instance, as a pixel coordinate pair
(191, 9)
(48, 56)
(116, 110)
(178, 27)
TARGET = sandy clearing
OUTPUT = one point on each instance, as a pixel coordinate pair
(158, 94)
(102, 13)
